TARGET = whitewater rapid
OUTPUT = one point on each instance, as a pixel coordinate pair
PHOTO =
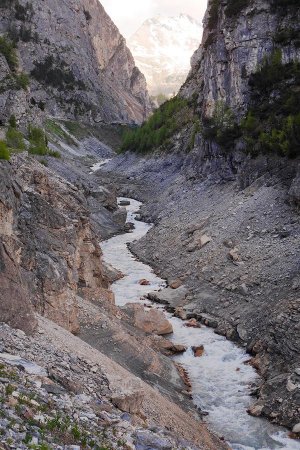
(221, 381)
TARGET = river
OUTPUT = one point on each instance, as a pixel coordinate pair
(221, 381)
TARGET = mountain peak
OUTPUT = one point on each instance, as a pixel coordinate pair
(162, 48)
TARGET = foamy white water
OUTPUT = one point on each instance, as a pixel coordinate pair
(221, 381)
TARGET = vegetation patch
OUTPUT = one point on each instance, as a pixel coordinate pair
(54, 128)
(235, 7)
(287, 36)
(4, 152)
(273, 121)
(213, 15)
(15, 139)
(8, 50)
(172, 116)
(111, 135)
(56, 73)
(24, 12)
(272, 124)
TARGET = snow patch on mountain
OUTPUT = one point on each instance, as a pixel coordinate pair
(162, 48)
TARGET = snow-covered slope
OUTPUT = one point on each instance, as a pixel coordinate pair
(162, 48)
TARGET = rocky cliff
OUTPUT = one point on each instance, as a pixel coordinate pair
(67, 59)
(238, 38)
(49, 250)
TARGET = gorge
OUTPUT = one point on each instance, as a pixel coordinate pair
(124, 330)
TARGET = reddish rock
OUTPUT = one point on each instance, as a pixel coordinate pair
(198, 351)
(193, 323)
(144, 282)
(175, 284)
(152, 321)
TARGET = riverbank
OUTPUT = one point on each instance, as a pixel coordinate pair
(221, 381)
(246, 275)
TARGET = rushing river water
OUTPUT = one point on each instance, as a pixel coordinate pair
(221, 382)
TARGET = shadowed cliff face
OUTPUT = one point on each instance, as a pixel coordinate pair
(78, 63)
(236, 41)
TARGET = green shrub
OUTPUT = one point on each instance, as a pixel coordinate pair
(222, 127)
(12, 121)
(213, 14)
(287, 36)
(272, 124)
(234, 7)
(8, 50)
(38, 141)
(55, 72)
(24, 13)
(22, 80)
(4, 152)
(54, 154)
(14, 139)
(87, 15)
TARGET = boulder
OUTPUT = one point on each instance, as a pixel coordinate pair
(111, 273)
(129, 400)
(170, 348)
(296, 428)
(124, 202)
(120, 216)
(144, 282)
(255, 410)
(129, 227)
(234, 255)
(147, 440)
(198, 351)
(175, 284)
(152, 321)
(172, 297)
(204, 240)
(193, 323)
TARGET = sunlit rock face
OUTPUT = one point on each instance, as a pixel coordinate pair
(77, 60)
(162, 48)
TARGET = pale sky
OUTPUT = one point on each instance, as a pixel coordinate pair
(129, 15)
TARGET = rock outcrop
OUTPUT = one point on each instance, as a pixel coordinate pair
(49, 250)
(77, 61)
(236, 41)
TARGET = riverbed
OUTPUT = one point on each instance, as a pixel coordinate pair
(221, 381)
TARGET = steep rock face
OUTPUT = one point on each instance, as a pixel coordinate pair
(162, 48)
(233, 47)
(78, 63)
(48, 246)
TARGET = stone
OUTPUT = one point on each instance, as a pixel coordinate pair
(255, 410)
(129, 400)
(124, 202)
(144, 282)
(152, 321)
(175, 284)
(172, 297)
(181, 313)
(129, 227)
(53, 389)
(146, 440)
(242, 332)
(192, 323)
(204, 240)
(198, 351)
(296, 428)
(233, 254)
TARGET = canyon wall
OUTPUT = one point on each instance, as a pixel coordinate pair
(77, 62)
